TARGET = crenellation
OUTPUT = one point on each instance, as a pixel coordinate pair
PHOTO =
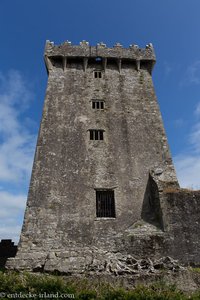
(69, 43)
(84, 43)
(134, 46)
(101, 44)
(133, 53)
(118, 45)
(84, 52)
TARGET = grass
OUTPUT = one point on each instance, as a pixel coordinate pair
(141, 80)
(138, 224)
(40, 286)
(195, 269)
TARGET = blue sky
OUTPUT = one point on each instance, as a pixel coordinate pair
(173, 28)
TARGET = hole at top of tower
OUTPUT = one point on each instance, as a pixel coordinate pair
(56, 61)
(146, 65)
(95, 62)
(74, 62)
(98, 59)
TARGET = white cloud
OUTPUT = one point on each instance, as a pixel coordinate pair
(17, 143)
(12, 208)
(188, 164)
(195, 137)
(167, 69)
(188, 170)
(9, 200)
(197, 110)
(178, 123)
(192, 75)
(10, 232)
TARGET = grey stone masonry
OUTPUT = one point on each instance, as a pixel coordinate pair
(84, 51)
(101, 166)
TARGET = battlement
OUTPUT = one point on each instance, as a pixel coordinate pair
(66, 51)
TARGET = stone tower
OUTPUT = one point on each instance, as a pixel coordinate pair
(100, 148)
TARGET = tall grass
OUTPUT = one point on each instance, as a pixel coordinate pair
(43, 286)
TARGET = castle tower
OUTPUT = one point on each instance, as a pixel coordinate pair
(101, 135)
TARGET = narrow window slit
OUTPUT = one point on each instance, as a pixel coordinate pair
(101, 135)
(96, 135)
(91, 134)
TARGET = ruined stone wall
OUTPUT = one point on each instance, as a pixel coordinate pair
(7, 249)
(181, 215)
(176, 236)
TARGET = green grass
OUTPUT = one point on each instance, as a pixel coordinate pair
(197, 270)
(44, 286)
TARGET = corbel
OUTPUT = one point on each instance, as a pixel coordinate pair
(119, 63)
(48, 63)
(64, 63)
(138, 65)
(104, 61)
(85, 63)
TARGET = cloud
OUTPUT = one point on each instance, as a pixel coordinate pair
(167, 69)
(188, 170)
(178, 123)
(197, 110)
(188, 164)
(12, 209)
(8, 200)
(192, 75)
(17, 143)
(10, 232)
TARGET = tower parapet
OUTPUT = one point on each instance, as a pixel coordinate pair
(134, 55)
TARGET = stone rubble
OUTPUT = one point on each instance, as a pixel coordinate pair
(128, 265)
(105, 263)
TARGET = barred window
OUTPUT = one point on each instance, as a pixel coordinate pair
(97, 104)
(105, 204)
(96, 134)
(97, 74)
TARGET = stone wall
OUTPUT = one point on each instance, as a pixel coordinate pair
(172, 230)
(181, 217)
(61, 229)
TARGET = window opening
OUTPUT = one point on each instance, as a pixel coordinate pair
(105, 204)
(97, 104)
(96, 134)
(97, 74)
